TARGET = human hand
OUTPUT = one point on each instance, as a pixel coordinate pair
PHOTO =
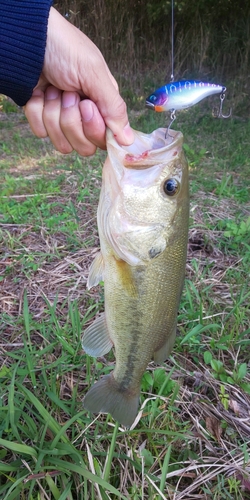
(74, 69)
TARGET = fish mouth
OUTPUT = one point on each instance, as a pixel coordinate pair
(159, 108)
(150, 105)
(154, 107)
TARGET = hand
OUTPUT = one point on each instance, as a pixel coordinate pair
(74, 69)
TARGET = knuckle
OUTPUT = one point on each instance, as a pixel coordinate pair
(64, 148)
(61, 145)
(87, 150)
(41, 134)
(121, 108)
(117, 115)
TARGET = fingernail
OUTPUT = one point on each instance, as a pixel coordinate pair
(51, 93)
(68, 99)
(128, 133)
(87, 111)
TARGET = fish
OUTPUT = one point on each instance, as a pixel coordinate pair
(182, 95)
(142, 217)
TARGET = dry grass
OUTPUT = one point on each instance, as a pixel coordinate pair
(63, 274)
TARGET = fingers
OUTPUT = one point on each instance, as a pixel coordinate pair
(69, 123)
(34, 113)
(93, 124)
(82, 124)
(52, 122)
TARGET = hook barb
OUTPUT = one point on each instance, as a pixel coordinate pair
(222, 97)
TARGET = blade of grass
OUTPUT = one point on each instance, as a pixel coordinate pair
(9, 467)
(14, 491)
(165, 468)
(65, 427)
(67, 466)
(26, 315)
(29, 361)
(11, 405)
(110, 453)
(156, 402)
(53, 397)
(54, 489)
(199, 329)
(58, 330)
(18, 448)
(47, 417)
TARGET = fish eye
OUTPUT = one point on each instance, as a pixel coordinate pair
(152, 97)
(171, 187)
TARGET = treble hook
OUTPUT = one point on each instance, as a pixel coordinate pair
(172, 119)
(222, 97)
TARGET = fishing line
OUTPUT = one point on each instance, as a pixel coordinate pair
(172, 42)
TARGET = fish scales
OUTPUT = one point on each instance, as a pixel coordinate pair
(143, 237)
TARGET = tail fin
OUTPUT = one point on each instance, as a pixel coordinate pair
(105, 396)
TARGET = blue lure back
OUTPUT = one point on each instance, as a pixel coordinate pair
(182, 95)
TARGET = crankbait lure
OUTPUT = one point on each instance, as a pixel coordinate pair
(182, 95)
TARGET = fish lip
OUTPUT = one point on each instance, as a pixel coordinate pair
(150, 105)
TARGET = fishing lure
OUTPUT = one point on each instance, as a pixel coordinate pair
(183, 94)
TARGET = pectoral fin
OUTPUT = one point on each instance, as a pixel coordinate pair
(126, 278)
(96, 340)
(95, 271)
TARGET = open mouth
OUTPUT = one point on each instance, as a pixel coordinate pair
(154, 107)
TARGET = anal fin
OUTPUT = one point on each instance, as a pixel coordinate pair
(96, 340)
(162, 354)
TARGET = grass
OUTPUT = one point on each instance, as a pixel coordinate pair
(191, 438)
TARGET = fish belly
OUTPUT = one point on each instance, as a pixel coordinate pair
(141, 311)
(141, 304)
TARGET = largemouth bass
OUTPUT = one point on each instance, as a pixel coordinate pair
(143, 227)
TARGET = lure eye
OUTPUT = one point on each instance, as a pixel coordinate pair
(171, 187)
(152, 98)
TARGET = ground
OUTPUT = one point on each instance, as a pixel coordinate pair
(191, 438)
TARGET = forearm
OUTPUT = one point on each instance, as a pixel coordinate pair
(23, 33)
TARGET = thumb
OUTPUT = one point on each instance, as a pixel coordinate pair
(114, 112)
(103, 91)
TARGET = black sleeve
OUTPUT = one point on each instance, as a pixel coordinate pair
(23, 33)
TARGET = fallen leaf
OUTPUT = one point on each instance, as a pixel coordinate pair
(233, 405)
(213, 426)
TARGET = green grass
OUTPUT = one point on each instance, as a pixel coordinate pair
(192, 435)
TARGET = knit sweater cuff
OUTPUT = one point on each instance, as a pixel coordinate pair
(23, 33)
